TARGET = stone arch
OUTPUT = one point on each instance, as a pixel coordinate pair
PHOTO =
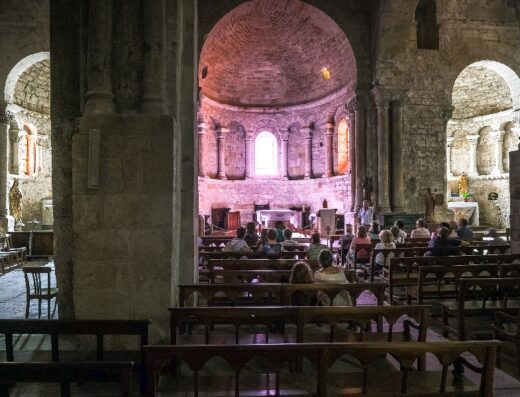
(426, 25)
(485, 157)
(235, 152)
(459, 153)
(266, 126)
(296, 150)
(510, 143)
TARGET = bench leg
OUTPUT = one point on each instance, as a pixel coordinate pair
(445, 322)
(27, 308)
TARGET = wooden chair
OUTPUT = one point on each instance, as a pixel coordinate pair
(362, 263)
(35, 290)
(506, 327)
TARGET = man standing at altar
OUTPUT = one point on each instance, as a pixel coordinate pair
(366, 214)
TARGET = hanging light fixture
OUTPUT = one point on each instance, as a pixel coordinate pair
(325, 73)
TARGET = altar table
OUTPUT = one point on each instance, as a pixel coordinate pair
(465, 209)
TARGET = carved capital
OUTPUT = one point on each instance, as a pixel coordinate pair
(447, 112)
(449, 141)
(284, 134)
(497, 135)
(381, 97)
(472, 139)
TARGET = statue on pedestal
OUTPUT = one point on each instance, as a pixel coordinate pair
(463, 184)
(15, 202)
(429, 206)
(367, 189)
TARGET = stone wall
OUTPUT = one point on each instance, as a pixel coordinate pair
(123, 230)
(514, 184)
(242, 195)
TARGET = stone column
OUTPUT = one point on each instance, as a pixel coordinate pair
(307, 136)
(201, 131)
(99, 96)
(14, 138)
(397, 156)
(154, 37)
(284, 136)
(359, 136)
(449, 143)
(498, 137)
(351, 153)
(329, 134)
(383, 152)
(248, 155)
(221, 159)
(473, 142)
(4, 133)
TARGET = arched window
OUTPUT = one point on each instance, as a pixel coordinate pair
(427, 29)
(343, 143)
(266, 154)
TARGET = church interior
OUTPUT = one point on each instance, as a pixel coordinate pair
(260, 197)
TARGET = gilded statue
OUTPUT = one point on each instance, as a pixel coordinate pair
(463, 184)
(15, 201)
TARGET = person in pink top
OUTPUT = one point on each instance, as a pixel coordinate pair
(361, 238)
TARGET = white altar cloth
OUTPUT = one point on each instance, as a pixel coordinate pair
(268, 217)
(465, 209)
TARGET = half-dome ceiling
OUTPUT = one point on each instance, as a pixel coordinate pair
(271, 53)
(32, 90)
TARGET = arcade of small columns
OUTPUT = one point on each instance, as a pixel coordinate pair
(497, 134)
(387, 182)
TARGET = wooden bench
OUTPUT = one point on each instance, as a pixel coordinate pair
(479, 296)
(366, 371)
(404, 271)
(362, 317)
(9, 261)
(65, 374)
(216, 240)
(252, 255)
(272, 294)
(440, 282)
(55, 328)
(257, 264)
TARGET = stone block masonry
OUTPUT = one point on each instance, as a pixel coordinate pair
(514, 187)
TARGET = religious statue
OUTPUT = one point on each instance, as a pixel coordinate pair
(463, 184)
(367, 189)
(429, 206)
(15, 201)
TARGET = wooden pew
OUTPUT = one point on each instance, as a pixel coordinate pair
(55, 328)
(215, 276)
(440, 282)
(9, 261)
(263, 294)
(369, 356)
(257, 264)
(252, 255)
(474, 299)
(216, 240)
(362, 317)
(65, 374)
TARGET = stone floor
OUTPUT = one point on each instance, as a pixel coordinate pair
(37, 348)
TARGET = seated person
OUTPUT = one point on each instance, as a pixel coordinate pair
(443, 244)
(251, 236)
(315, 247)
(402, 234)
(463, 232)
(271, 246)
(238, 244)
(301, 273)
(279, 227)
(361, 238)
(420, 230)
(396, 234)
(387, 241)
(495, 238)
(453, 228)
(287, 234)
(346, 239)
(374, 231)
(331, 274)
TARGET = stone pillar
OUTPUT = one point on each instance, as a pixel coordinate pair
(514, 188)
(397, 156)
(449, 144)
(4, 134)
(201, 131)
(329, 135)
(383, 143)
(498, 137)
(307, 136)
(221, 158)
(14, 138)
(351, 155)
(360, 117)
(99, 96)
(284, 136)
(248, 155)
(154, 37)
(473, 142)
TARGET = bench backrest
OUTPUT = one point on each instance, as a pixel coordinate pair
(498, 289)
(323, 356)
(55, 328)
(248, 276)
(252, 255)
(273, 294)
(257, 264)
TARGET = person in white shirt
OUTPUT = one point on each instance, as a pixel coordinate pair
(420, 230)
(366, 214)
(238, 244)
